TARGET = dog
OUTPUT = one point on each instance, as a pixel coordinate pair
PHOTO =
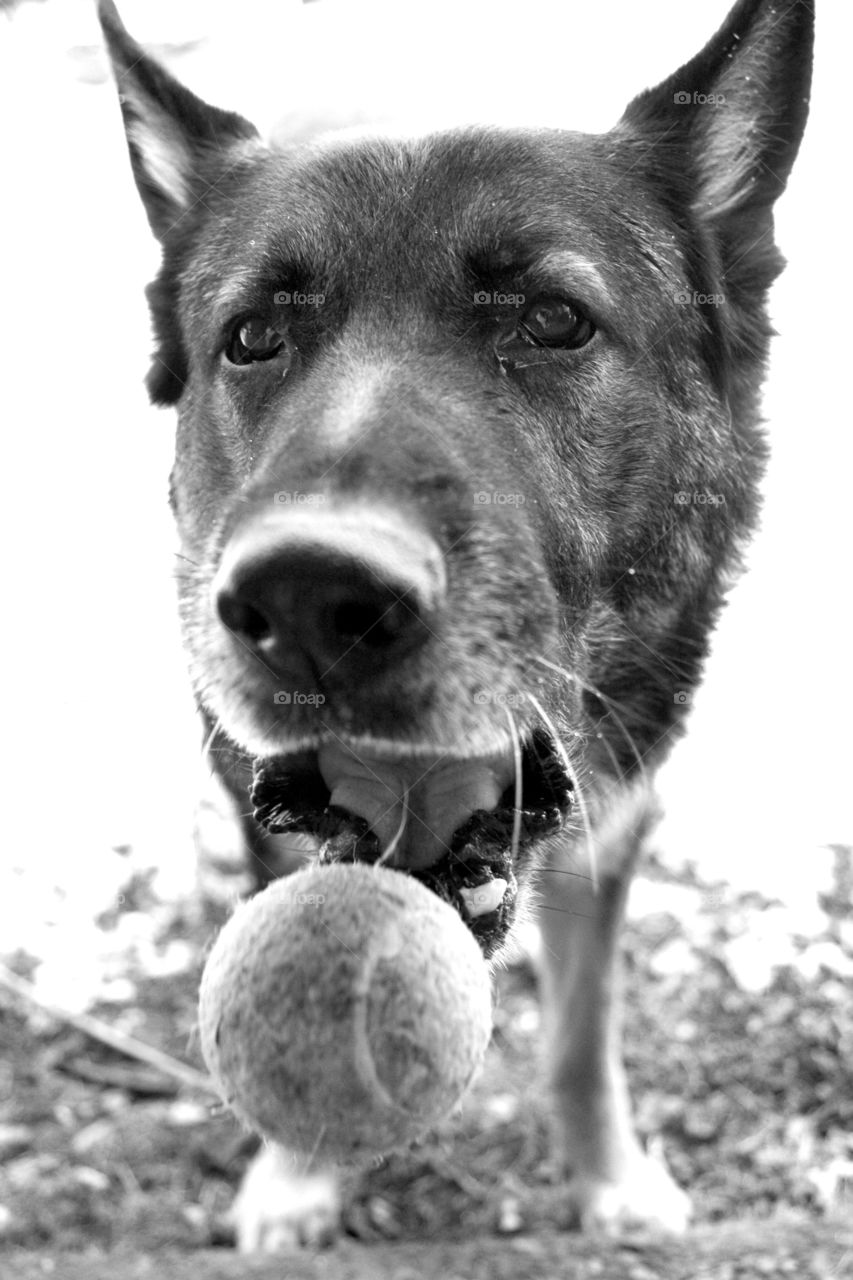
(468, 452)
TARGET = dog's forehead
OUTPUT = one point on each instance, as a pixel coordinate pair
(489, 199)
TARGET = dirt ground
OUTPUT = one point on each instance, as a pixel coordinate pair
(803, 1251)
(748, 1094)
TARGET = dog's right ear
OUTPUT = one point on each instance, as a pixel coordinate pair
(178, 144)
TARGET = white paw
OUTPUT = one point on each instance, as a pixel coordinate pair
(644, 1196)
(278, 1209)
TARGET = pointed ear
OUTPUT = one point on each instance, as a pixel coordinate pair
(178, 144)
(728, 124)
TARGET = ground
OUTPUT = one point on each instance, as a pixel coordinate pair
(743, 1083)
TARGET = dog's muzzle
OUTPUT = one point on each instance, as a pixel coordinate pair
(348, 601)
(475, 865)
(313, 594)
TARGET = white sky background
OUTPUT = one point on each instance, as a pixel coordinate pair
(103, 743)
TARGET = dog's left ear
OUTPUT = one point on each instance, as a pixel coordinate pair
(178, 144)
(724, 130)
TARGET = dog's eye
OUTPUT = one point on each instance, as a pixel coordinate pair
(254, 339)
(555, 323)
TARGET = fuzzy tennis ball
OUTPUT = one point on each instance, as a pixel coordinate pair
(344, 1010)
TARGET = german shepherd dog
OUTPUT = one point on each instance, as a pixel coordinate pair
(468, 451)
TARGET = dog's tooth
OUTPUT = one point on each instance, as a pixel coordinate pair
(483, 898)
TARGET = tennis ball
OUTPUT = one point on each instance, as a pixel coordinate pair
(344, 1011)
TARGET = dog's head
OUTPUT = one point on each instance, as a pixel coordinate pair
(468, 437)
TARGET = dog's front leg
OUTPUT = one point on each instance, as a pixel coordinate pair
(614, 1184)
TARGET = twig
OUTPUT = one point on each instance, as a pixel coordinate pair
(111, 1036)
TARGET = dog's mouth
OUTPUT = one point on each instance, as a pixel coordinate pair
(465, 828)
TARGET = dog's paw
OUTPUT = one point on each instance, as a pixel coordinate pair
(645, 1196)
(278, 1209)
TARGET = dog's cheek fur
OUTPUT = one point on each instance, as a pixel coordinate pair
(648, 436)
(169, 370)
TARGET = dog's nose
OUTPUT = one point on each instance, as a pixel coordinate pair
(345, 592)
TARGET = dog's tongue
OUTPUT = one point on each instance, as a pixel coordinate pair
(435, 799)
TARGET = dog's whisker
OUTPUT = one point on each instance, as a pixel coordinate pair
(395, 842)
(563, 871)
(207, 749)
(645, 654)
(519, 784)
(611, 711)
(571, 772)
(564, 911)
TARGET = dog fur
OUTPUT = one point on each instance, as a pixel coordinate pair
(526, 412)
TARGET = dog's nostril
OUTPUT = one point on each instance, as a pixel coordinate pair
(244, 619)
